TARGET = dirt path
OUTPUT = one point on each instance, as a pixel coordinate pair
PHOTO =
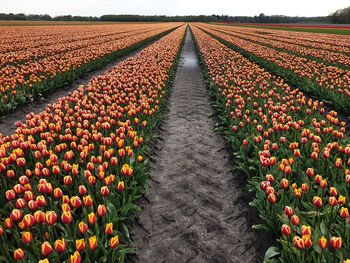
(7, 122)
(197, 209)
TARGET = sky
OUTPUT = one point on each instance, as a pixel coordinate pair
(174, 7)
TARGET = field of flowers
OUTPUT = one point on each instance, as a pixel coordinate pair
(303, 66)
(35, 60)
(295, 153)
(72, 174)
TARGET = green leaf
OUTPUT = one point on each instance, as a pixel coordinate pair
(271, 252)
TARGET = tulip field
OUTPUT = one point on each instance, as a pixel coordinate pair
(35, 60)
(72, 175)
(295, 153)
(73, 172)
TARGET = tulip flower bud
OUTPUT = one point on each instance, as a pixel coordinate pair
(27, 237)
(120, 186)
(60, 245)
(87, 200)
(104, 191)
(18, 254)
(75, 258)
(272, 198)
(109, 229)
(66, 217)
(46, 249)
(288, 211)
(341, 200)
(286, 230)
(317, 201)
(298, 242)
(307, 241)
(336, 243)
(322, 243)
(295, 220)
(101, 210)
(82, 226)
(114, 241)
(80, 244)
(92, 243)
(344, 212)
(92, 218)
(50, 217)
(16, 215)
(82, 190)
(305, 230)
(310, 172)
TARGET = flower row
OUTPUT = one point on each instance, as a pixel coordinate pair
(296, 155)
(326, 56)
(326, 82)
(21, 81)
(72, 173)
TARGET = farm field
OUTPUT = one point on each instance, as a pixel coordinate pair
(163, 142)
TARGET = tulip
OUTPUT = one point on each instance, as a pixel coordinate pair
(82, 227)
(66, 217)
(75, 258)
(120, 186)
(101, 210)
(27, 237)
(60, 245)
(16, 215)
(341, 199)
(109, 229)
(82, 190)
(46, 249)
(307, 241)
(305, 230)
(92, 243)
(344, 212)
(317, 201)
(286, 230)
(75, 201)
(336, 243)
(57, 193)
(126, 170)
(10, 195)
(295, 220)
(310, 172)
(45, 260)
(104, 191)
(18, 254)
(50, 217)
(114, 241)
(272, 198)
(288, 211)
(322, 243)
(92, 218)
(298, 242)
(80, 244)
(332, 201)
(87, 201)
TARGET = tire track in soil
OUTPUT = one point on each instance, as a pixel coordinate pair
(196, 209)
(7, 122)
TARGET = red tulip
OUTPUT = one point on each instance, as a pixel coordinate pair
(286, 230)
(46, 249)
(60, 245)
(336, 243)
(18, 254)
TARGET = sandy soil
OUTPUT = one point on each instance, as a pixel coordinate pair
(197, 208)
(7, 123)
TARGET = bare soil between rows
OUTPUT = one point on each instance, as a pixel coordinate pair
(196, 209)
(7, 122)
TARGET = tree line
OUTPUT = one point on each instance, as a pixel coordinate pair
(340, 16)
